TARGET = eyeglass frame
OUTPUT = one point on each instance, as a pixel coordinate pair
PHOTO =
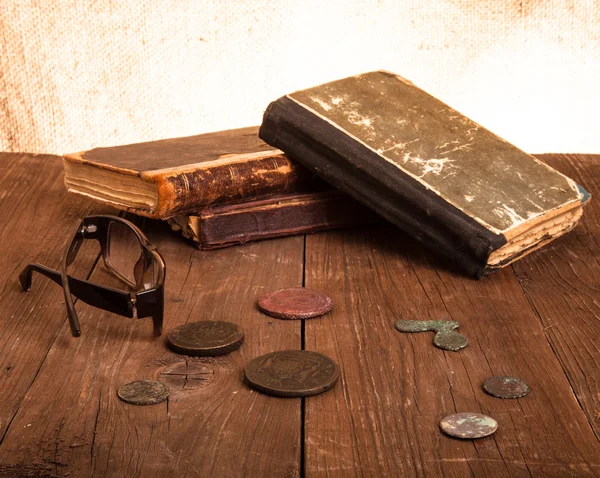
(140, 303)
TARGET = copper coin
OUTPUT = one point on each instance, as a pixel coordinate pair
(506, 387)
(468, 425)
(143, 392)
(206, 339)
(295, 303)
(292, 373)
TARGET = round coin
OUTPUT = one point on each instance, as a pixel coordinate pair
(468, 425)
(144, 392)
(206, 338)
(450, 340)
(506, 387)
(292, 373)
(295, 303)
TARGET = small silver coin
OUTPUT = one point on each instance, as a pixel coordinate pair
(468, 425)
(143, 392)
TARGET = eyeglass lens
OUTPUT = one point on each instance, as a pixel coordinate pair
(124, 251)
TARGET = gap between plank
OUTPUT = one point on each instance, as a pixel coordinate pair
(303, 400)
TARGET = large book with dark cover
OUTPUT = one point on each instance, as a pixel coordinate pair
(161, 179)
(280, 216)
(425, 167)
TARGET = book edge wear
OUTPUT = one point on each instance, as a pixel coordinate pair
(163, 193)
(329, 151)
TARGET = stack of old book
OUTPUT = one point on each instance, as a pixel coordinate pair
(384, 144)
(218, 189)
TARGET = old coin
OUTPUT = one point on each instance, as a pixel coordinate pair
(468, 425)
(292, 373)
(206, 338)
(450, 340)
(144, 392)
(506, 387)
(446, 337)
(295, 303)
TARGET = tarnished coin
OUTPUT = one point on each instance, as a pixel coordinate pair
(144, 392)
(295, 303)
(450, 340)
(292, 373)
(506, 387)
(446, 337)
(468, 425)
(205, 339)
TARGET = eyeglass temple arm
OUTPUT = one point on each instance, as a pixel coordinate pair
(95, 295)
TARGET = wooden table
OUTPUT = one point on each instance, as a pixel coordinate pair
(538, 320)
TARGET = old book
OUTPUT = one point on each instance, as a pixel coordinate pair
(287, 215)
(163, 178)
(425, 167)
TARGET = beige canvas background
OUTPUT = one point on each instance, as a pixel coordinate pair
(79, 74)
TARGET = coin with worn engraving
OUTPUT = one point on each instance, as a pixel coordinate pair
(144, 392)
(450, 340)
(468, 425)
(446, 337)
(292, 373)
(206, 338)
(506, 387)
(295, 303)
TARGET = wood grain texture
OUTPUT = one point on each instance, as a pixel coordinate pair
(212, 423)
(60, 415)
(395, 388)
(37, 220)
(562, 282)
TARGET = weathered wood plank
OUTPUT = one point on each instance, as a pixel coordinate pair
(212, 424)
(382, 419)
(37, 218)
(562, 282)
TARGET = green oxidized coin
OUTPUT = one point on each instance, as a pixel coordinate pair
(445, 338)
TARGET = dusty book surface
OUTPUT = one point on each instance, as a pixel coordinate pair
(162, 178)
(424, 166)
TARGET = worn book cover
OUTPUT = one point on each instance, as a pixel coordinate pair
(160, 179)
(287, 215)
(425, 167)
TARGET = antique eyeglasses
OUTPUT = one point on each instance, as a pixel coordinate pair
(128, 255)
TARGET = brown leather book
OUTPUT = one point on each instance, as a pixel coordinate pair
(254, 220)
(160, 179)
(425, 167)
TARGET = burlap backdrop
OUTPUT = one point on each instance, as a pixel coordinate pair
(77, 74)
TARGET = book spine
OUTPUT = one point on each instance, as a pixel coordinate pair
(278, 217)
(184, 192)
